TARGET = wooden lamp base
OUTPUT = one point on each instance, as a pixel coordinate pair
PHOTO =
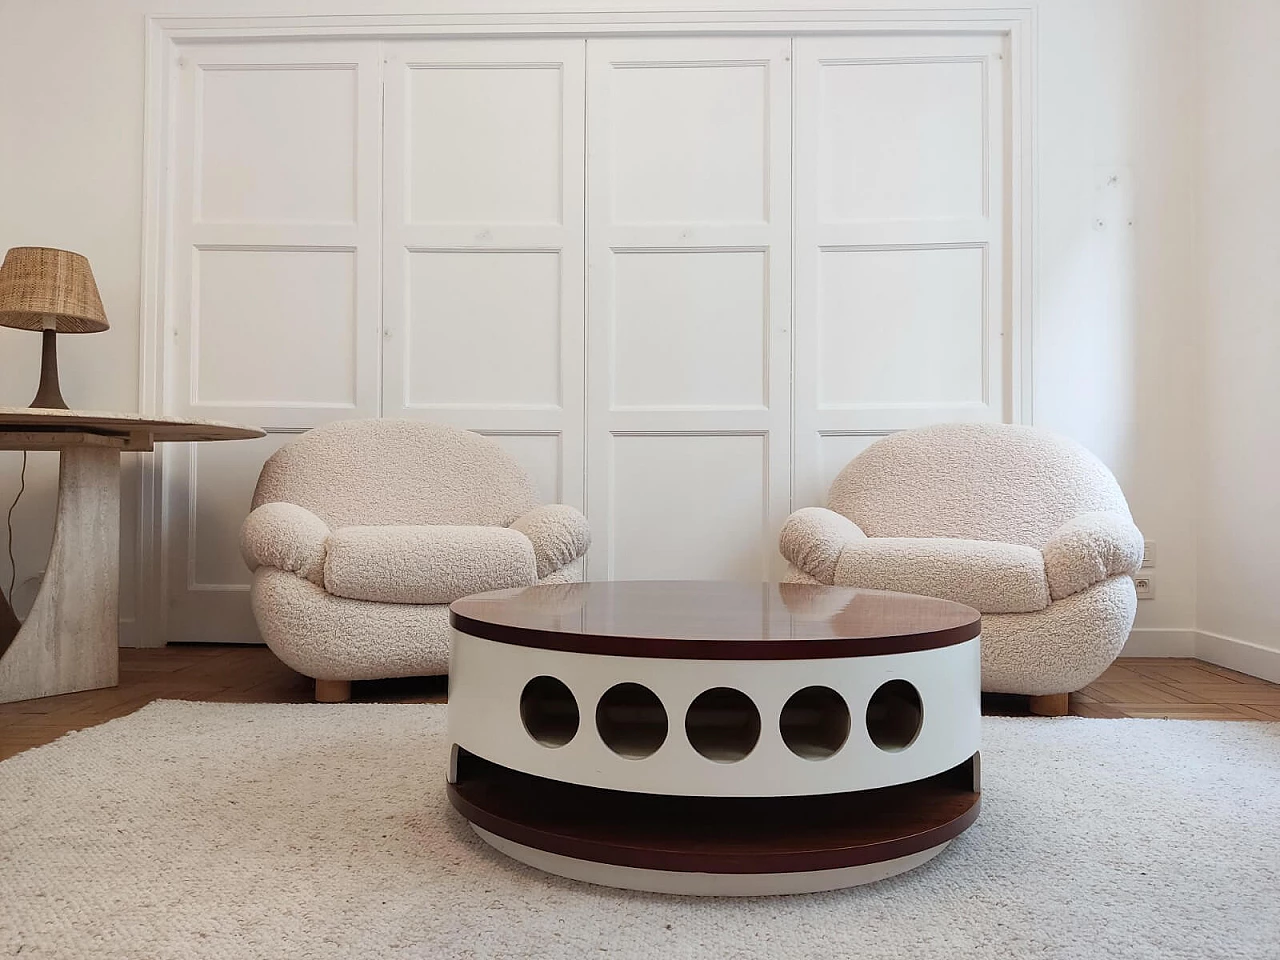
(49, 394)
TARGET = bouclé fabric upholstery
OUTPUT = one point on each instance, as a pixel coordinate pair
(1088, 549)
(991, 577)
(1028, 527)
(397, 472)
(426, 564)
(813, 539)
(977, 481)
(363, 531)
(287, 537)
(559, 535)
(1061, 648)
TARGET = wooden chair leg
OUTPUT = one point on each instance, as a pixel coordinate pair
(333, 691)
(1051, 705)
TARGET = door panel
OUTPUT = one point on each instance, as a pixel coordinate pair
(901, 316)
(689, 506)
(689, 305)
(484, 264)
(276, 288)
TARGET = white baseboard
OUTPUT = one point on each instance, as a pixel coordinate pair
(1250, 658)
(1159, 642)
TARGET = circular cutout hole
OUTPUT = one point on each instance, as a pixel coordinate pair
(722, 724)
(631, 720)
(549, 711)
(815, 723)
(895, 715)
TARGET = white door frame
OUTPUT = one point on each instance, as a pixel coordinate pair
(165, 36)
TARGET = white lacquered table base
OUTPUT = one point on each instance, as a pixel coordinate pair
(689, 884)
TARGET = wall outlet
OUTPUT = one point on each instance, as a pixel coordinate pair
(1148, 553)
(1146, 587)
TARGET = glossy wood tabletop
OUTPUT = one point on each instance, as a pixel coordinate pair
(713, 620)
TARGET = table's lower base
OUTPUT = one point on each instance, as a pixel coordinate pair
(69, 641)
(706, 884)
(714, 846)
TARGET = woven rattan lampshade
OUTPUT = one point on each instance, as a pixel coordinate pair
(42, 288)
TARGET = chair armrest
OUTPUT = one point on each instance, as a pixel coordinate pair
(812, 539)
(559, 533)
(287, 537)
(1088, 549)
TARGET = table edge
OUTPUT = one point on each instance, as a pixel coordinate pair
(680, 648)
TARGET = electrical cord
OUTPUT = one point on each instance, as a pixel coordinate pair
(22, 485)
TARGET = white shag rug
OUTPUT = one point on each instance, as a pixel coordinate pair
(192, 830)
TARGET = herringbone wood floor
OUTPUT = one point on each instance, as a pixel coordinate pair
(1186, 689)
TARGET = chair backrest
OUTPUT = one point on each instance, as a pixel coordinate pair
(371, 472)
(976, 481)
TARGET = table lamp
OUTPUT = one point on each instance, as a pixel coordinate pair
(51, 291)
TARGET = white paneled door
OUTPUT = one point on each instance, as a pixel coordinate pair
(276, 287)
(683, 279)
(484, 323)
(689, 285)
(901, 296)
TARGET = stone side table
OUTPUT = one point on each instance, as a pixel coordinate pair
(70, 640)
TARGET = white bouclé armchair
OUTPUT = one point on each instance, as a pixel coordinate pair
(1028, 527)
(364, 531)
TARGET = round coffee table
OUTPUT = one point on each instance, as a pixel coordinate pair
(725, 739)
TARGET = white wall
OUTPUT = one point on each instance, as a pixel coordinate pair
(1114, 359)
(1115, 318)
(1239, 503)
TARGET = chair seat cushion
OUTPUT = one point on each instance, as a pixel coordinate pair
(426, 564)
(991, 577)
